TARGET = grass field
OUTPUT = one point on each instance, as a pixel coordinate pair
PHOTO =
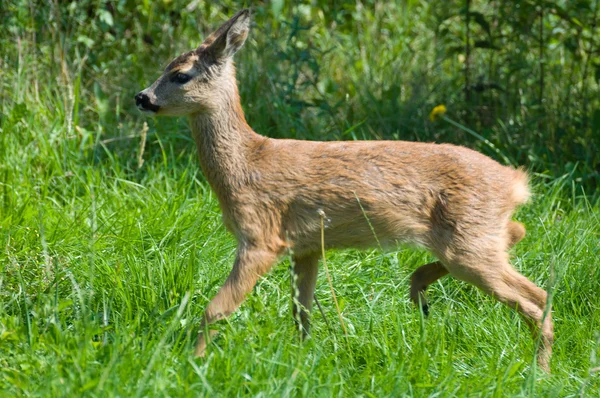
(111, 244)
(105, 274)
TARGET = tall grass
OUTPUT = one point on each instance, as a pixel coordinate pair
(107, 262)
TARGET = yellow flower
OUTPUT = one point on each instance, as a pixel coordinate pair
(437, 111)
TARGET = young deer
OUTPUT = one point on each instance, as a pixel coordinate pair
(273, 192)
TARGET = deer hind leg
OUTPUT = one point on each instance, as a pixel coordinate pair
(496, 277)
(426, 274)
(250, 264)
(305, 269)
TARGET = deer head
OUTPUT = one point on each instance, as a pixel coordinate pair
(202, 80)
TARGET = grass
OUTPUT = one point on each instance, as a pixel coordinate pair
(106, 262)
(105, 272)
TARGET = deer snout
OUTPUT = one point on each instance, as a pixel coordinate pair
(144, 104)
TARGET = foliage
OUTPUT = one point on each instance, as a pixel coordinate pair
(528, 81)
(107, 261)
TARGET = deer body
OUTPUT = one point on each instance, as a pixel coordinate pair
(275, 195)
(387, 191)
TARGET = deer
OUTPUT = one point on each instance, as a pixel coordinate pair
(275, 193)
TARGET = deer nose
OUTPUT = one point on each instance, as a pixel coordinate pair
(141, 99)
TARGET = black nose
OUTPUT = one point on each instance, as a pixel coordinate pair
(142, 100)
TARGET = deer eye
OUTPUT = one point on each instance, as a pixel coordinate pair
(182, 78)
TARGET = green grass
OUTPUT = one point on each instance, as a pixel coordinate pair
(106, 266)
(105, 271)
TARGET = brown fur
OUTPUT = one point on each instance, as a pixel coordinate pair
(449, 199)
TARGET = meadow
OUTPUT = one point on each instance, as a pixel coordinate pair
(111, 242)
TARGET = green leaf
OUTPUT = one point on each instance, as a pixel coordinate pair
(577, 22)
(106, 17)
(89, 385)
(88, 42)
(276, 7)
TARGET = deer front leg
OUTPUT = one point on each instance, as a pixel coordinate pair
(250, 264)
(305, 270)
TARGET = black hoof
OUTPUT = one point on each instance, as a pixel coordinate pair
(425, 309)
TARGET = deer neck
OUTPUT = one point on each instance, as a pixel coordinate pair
(224, 141)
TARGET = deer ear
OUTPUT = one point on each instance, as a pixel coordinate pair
(229, 38)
